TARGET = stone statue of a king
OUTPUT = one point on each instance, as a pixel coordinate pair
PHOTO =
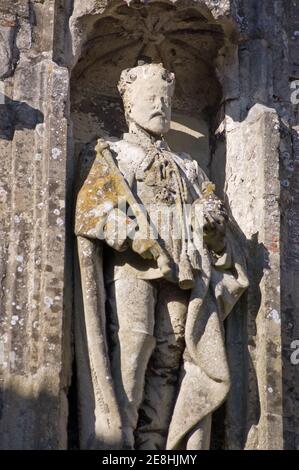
(160, 269)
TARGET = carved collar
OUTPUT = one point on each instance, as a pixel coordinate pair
(142, 138)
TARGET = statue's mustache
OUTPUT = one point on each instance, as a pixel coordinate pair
(157, 113)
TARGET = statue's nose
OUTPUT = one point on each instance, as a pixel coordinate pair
(158, 104)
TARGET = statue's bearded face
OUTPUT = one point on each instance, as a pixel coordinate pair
(147, 91)
(150, 104)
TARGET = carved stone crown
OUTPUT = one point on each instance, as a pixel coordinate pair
(145, 71)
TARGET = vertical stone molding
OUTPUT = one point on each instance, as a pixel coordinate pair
(253, 193)
(34, 333)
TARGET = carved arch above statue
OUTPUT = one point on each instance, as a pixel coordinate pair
(186, 36)
(114, 35)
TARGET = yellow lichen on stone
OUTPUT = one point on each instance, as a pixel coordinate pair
(97, 197)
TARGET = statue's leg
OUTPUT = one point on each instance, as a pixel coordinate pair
(131, 305)
(199, 438)
(163, 371)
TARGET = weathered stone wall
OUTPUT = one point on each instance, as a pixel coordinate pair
(34, 322)
(254, 158)
(263, 203)
(289, 231)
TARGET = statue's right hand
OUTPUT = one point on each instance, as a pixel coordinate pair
(149, 249)
(141, 245)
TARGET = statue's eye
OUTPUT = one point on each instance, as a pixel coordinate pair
(133, 77)
(166, 76)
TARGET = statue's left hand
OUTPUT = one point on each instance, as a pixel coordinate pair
(214, 227)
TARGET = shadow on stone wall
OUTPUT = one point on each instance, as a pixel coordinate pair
(17, 115)
(30, 415)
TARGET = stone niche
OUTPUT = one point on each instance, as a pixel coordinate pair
(231, 109)
(183, 36)
(191, 42)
